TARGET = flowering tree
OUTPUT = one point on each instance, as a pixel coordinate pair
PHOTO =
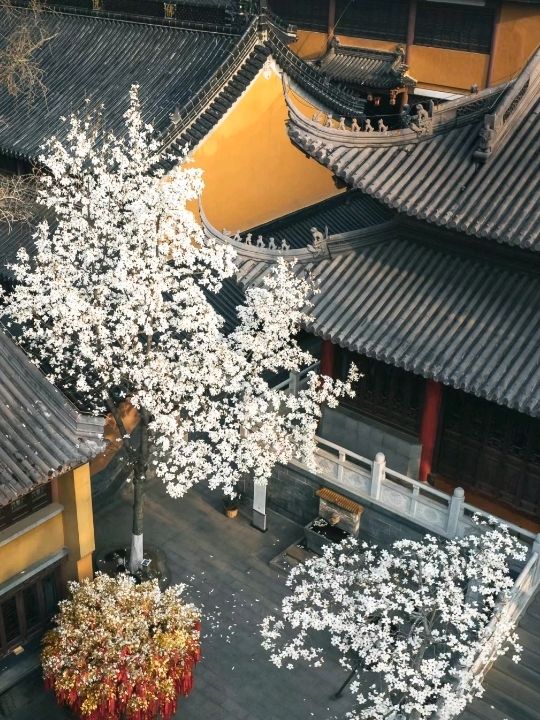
(115, 304)
(121, 650)
(415, 617)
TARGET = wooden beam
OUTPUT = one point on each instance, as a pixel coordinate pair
(331, 20)
(493, 49)
(411, 26)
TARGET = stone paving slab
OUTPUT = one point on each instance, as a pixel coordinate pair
(225, 562)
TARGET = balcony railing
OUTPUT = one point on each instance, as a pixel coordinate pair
(297, 380)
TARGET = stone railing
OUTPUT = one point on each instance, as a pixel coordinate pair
(297, 380)
(431, 509)
(505, 619)
(447, 515)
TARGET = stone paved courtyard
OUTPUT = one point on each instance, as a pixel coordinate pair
(226, 564)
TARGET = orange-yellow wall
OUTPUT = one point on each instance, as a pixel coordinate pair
(447, 69)
(252, 171)
(518, 38)
(440, 68)
(73, 528)
(75, 494)
(33, 546)
(310, 44)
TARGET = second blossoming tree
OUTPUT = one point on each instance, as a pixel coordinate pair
(115, 303)
(410, 620)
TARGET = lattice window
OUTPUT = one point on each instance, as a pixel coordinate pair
(458, 27)
(304, 13)
(25, 505)
(381, 19)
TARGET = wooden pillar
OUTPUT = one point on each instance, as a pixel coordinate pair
(493, 49)
(430, 424)
(328, 357)
(331, 20)
(411, 25)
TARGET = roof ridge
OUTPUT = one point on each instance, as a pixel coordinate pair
(510, 110)
(323, 246)
(184, 117)
(418, 126)
(136, 19)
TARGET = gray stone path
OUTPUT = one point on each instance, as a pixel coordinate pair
(225, 562)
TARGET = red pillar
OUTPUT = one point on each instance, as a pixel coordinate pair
(328, 354)
(429, 426)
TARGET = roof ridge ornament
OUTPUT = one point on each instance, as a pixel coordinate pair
(319, 246)
(496, 123)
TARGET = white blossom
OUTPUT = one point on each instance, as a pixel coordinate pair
(416, 615)
(115, 304)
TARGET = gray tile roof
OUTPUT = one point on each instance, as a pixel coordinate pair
(349, 210)
(191, 75)
(41, 433)
(99, 59)
(475, 168)
(362, 67)
(432, 307)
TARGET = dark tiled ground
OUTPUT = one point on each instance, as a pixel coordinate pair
(225, 562)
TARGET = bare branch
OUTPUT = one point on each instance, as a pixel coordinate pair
(20, 71)
(17, 197)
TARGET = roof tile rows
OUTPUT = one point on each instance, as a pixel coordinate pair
(362, 67)
(464, 175)
(441, 314)
(98, 59)
(41, 433)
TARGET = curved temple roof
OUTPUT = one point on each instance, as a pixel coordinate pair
(362, 67)
(98, 59)
(421, 305)
(41, 433)
(471, 165)
(188, 78)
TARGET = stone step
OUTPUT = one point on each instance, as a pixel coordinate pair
(511, 696)
(482, 709)
(526, 671)
(530, 624)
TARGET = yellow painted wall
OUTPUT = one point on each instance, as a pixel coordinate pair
(518, 38)
(309, 44)
(387, 45)
(73, 528)
(252, 171)
(75, 494)
(33, 546)
(447, 69)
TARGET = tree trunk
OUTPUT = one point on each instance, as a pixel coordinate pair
(139, 488)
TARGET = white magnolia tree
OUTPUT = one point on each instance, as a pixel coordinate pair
(115, 304)
(411, 619)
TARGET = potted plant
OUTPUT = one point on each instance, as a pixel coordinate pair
(232, 503)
